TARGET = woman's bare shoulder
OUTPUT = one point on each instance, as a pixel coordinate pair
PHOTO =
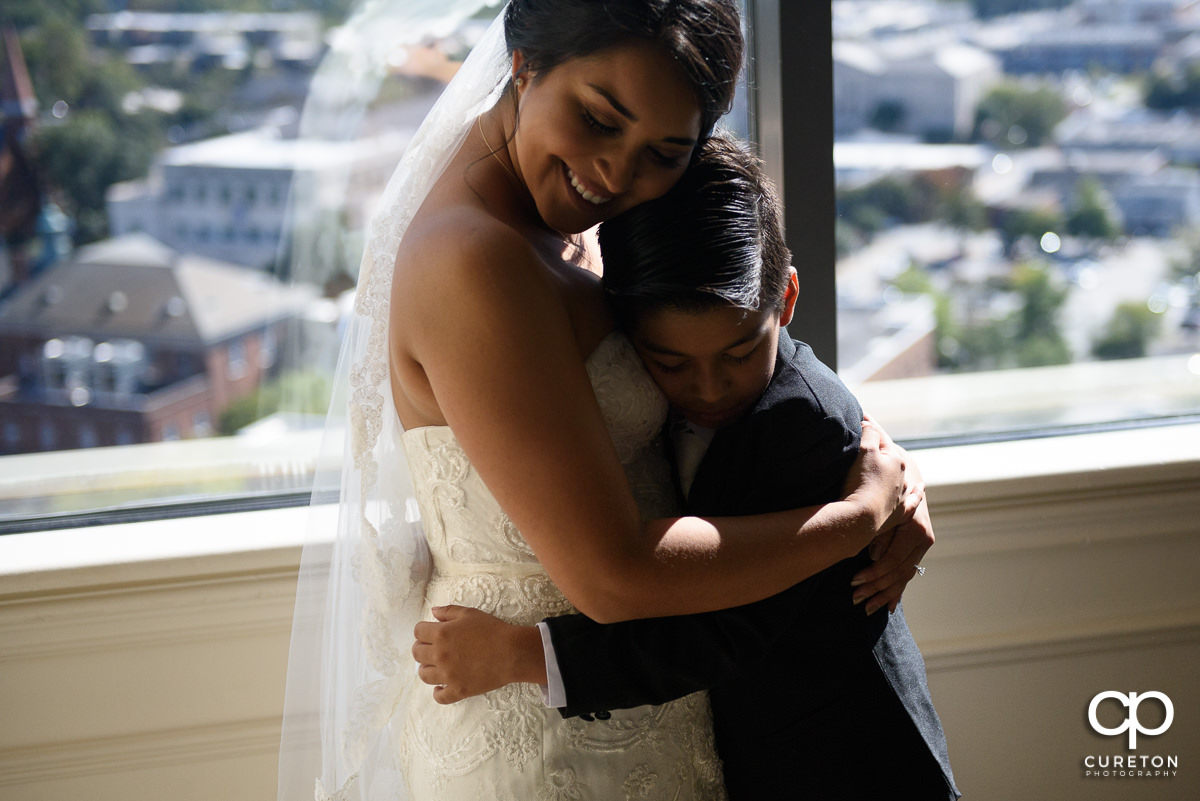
(463, 267)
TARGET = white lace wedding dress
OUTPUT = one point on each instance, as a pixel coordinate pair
(415, 527)
(507, 744)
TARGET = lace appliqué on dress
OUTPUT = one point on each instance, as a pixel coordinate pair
(507, 744)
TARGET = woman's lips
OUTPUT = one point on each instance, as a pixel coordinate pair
(581, 189)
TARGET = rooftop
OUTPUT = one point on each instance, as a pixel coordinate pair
(134, 287)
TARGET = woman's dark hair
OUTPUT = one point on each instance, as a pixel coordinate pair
(703, 36)
(715, 239)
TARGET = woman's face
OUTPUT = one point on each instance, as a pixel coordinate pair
(600, 134)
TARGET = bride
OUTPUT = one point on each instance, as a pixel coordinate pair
(502, 447)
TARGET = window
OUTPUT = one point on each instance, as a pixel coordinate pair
(902, 306)
(985, 288)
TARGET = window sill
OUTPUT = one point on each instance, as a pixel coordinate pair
(155, 652)
(958, 477)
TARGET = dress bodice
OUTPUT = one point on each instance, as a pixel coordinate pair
(479, 557)
(507, 744)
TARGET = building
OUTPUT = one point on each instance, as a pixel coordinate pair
(229, 40)
(1122, 49)
(1160, 204)
(130, 341)
(927, 88)
(1174, 136)
(1128, 12)
(234, 197)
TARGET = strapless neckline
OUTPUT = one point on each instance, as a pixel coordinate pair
(613, 339)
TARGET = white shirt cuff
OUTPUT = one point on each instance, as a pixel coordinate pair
(554, 694)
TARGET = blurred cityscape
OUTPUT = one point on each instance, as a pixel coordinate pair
(1017, 186)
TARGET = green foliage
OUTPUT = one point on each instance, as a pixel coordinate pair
(1128, 332)
(86, 154)
(1090, 218)
(1168, 92)
(1186, 269)
(887, 201)
(961, 209)
(1027, 222)
(56, 55)
(996, 8)
(28, 13)
(1028, 337)
(293, 391)
(1011, 115)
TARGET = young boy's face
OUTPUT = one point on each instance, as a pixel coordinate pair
(712, 365)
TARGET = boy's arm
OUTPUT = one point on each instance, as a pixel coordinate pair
(466, 652)
(655, 660)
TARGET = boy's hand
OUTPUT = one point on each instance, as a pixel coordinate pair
(467, 652)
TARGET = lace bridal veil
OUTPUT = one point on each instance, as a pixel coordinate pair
(365, 563)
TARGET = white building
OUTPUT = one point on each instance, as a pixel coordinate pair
(234, 197)
(931, 88)
(1161, 203)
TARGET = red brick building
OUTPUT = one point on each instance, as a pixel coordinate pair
(130, 341)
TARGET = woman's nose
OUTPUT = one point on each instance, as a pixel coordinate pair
(617, 170)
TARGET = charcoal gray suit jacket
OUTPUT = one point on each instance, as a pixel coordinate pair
(811, 698)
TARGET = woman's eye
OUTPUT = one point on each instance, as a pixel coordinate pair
(597, 126)
(665, 160)
(669, 368)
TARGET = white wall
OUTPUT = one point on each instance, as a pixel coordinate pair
(147, 661)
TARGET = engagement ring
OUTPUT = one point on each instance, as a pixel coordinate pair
(920, 570)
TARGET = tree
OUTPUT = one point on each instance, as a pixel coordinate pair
(301, 391)
(1011, 115)
(1036, 331)
(87, 154)
(1128, 332)
(1166, 92)
(1027, 222)
(1090, 217)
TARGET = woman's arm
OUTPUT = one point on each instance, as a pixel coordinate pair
(489, 326)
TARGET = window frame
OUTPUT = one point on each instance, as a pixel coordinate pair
(789, 88)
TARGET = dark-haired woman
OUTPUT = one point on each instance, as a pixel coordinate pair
(484, 361)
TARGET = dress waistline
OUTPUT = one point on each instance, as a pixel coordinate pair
(454, 570)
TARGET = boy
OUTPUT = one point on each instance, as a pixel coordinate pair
(803, 684)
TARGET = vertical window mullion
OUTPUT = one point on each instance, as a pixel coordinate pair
(791, 106)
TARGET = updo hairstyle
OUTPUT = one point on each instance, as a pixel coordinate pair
(703, 36)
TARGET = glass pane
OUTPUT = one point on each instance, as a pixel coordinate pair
(185, 193)
(1018, 200)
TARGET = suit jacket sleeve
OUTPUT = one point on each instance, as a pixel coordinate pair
(655, 660)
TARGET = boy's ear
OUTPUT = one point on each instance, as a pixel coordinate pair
(789, 297)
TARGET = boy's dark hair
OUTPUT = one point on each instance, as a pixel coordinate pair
(716, 239)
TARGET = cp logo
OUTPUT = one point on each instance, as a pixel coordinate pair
(1131, 724)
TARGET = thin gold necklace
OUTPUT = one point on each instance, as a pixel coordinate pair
(488, 145)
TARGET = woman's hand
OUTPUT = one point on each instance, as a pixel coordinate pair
(902, 542)
(876, 480)
(466, 652)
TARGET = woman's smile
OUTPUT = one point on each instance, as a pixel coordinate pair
(593, 137)
(595, 197)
